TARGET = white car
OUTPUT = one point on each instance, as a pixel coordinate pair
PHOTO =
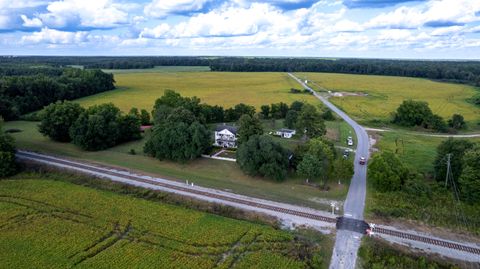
(350, 142)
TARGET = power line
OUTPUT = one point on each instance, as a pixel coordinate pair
(460, 216)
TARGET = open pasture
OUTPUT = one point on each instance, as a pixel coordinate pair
(215, 88)
(46, 223)
(417, 151)
(386, 93)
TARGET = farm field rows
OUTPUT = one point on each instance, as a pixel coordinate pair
(386, 93)
(50, 223)
(215, 88)
(205, 172)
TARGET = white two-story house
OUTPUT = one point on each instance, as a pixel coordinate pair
(226, 136)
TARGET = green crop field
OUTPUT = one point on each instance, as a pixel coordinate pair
(216, 88)
(204, 172)
(417, 151)
(385, 94)
(50, 223)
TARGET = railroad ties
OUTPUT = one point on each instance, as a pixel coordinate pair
(428, 240)
(341, 222)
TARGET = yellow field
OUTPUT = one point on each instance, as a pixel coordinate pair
(386, 93)
(216, 88)
(52, 224)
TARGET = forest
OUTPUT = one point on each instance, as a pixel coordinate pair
(452, 71)
(24, 90)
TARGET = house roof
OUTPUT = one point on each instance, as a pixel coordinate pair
(283, 130)
(232, 129)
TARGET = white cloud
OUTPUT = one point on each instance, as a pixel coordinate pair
(162, 8)
(73, 14)
(347, 26)
(448, 30)
(227, 21)
(51, 36)
(35, 22)
(18, 4)
(434, 13)
(159, 31)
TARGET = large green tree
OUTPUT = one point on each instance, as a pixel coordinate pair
(412, 113)
(296, 105)
(97, 128)
(457, 122)
(310, 167)
(324, 156)
(265, 111)
(145, 117)
(260, 155)
(342, 169)
(470, 177)
(57, 118)
(456, 148)
(179, 137)
(248, 127)
(129, 128)
(310, 122)
(7, 153)
(386, 172)
(291, 119)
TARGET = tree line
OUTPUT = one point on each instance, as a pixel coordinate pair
(453, 71)
(418, 114)
(25, 92)
(97, 128)
(8, 166)
(107, 62)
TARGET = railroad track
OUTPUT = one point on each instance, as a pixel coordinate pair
(179, 188)
(427, 240)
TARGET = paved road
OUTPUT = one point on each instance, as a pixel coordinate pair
(347, 242)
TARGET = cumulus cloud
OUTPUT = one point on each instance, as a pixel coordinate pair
(35, 22)
(374, 3)
(439, 13)
(51, 36)
(163, 8)
(282, 4)
(83, 14)
(226, 21)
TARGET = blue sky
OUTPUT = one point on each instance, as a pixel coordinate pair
(441, 29)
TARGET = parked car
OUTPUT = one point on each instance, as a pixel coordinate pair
(362, 160)
(350, 142)
(346, 153)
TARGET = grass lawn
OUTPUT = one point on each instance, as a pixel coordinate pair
(48, 222)
(215, 88)
(377, 253)
(204, 172)
(432, 206)
(386, 93)
(416, 151)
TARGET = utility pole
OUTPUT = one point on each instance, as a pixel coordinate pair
(449, 156)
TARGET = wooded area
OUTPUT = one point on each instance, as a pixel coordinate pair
(24, 90)
(453, 71)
